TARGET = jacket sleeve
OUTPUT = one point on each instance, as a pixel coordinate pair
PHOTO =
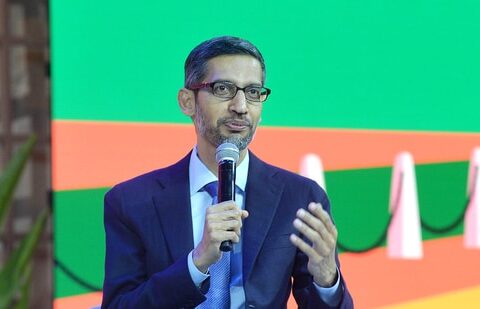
(303, 289)
(127, 284)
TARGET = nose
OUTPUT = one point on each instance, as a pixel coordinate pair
(238, 103)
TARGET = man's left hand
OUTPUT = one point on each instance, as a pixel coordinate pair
(318, 228)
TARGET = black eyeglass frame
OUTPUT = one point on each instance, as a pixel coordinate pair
(211, 84)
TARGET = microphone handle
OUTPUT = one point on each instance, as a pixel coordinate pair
(226, 191)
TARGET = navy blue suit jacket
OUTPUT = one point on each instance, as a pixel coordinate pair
(148, 226)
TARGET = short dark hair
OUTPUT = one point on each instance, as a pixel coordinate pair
(196, 62)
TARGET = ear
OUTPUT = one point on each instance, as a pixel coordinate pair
(186, 101)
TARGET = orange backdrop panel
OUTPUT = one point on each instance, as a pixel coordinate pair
(89, 154)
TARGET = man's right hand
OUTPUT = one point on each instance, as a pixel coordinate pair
(222, 222)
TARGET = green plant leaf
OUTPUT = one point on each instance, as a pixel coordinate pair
(12, 275)
(25, 289)
(11, 175)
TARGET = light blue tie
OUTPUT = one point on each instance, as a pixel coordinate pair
(218, 296)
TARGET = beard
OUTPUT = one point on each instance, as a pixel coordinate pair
(215, 136)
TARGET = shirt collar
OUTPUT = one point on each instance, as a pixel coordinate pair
(200, 175)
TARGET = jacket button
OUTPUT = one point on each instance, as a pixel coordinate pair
(251, 306)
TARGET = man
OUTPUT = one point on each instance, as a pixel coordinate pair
(164, 228)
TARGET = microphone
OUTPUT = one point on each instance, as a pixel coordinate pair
(227, 155)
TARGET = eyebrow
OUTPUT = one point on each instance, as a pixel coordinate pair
(231, 82)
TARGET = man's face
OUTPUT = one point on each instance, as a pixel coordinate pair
(235, 120)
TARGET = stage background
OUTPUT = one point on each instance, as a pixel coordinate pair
(355, 82)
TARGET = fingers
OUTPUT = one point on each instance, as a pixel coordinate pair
(223, 206)
(230, 225)
(317, 226)
(224, 222)
(225, 211)
(218, 233)
(314, 225)
(304, 247)
(319, 212)
(229, 210)
(218, 236)
(322, 246)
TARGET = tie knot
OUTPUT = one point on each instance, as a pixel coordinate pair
(212, 188)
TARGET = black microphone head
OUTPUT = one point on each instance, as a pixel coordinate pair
(227, 151)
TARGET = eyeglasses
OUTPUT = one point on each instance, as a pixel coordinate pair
(227, 90)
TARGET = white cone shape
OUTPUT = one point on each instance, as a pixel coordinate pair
(472, 215)
(404, 238)
(311, 167)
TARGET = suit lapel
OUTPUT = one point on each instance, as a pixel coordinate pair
(263, 192)
(173, 208)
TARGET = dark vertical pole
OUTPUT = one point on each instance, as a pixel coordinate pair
(4, 88)
(5, 106)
